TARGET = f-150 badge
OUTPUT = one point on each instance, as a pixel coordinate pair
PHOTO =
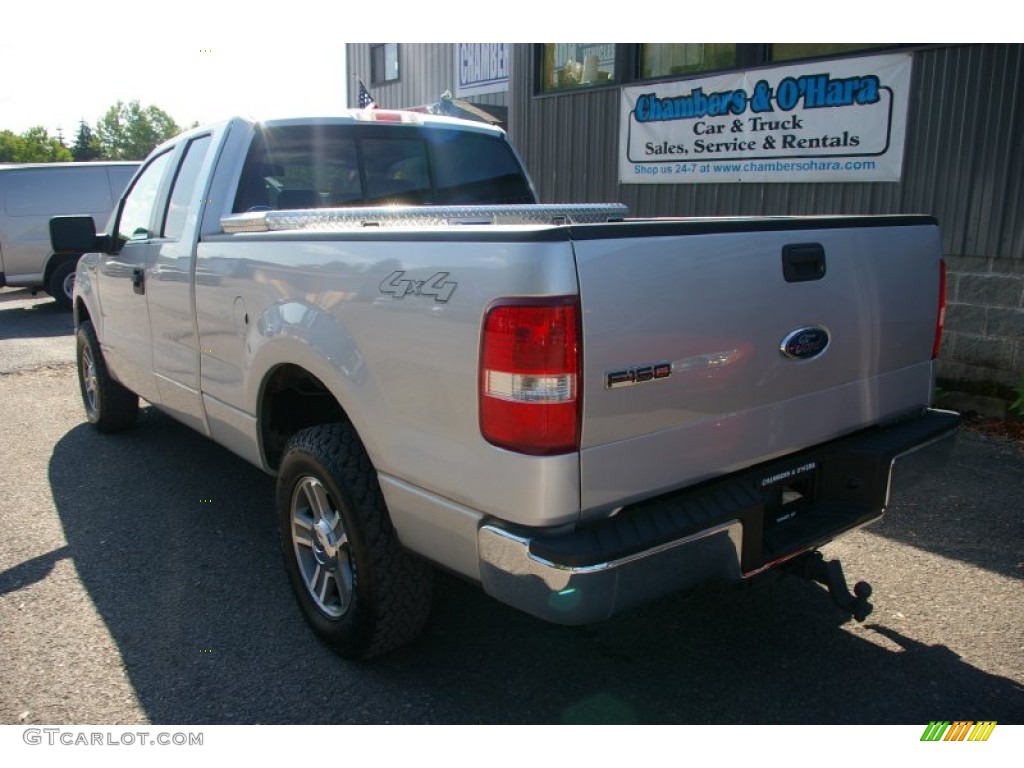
(399, 286)
(639, 374)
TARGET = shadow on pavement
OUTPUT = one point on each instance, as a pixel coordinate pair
(969, 510)
(31, 571)
(173, 538)
(40, 319)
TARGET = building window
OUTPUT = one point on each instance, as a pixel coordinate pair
(565, 66)
(788, 51)
(383, 63)
(667, 59)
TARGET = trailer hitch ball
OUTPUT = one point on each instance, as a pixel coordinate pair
(829, 573)
(861, 607)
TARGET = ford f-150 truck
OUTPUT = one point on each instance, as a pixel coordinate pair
(577, 410)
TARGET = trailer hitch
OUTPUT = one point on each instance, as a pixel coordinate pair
(829, 573)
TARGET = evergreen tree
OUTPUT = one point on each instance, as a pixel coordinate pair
(86, 146)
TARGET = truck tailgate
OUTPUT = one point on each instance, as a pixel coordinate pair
(684, 324)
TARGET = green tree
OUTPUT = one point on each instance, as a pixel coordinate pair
(35, 145)
(10, 147)
(87, 145)
(131, 131)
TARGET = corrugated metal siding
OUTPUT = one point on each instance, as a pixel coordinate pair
(963, 160)
(425, 70)
(582, 147)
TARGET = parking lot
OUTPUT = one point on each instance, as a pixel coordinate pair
(140, 583)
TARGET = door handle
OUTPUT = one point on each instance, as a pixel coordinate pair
(139, 280)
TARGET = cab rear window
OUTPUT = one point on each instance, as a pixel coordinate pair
(330, 166)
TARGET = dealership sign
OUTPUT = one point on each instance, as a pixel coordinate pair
(481, 68)
(824, 121)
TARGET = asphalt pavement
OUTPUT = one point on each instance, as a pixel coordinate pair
(140, 582)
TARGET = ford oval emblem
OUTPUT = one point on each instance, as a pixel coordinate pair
(805, 343)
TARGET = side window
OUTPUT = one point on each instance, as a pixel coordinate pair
(53, 191)
(119, 176)
(567, 66)
(383, 63)
(185, 190)
(137, 212)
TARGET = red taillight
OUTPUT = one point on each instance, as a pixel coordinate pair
(940, 320)
(529, 376)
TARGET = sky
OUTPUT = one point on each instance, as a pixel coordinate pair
(207, 61)
(55, 73)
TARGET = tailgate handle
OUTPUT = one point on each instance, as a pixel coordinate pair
(803, 262)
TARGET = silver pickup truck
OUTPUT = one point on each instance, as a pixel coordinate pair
(576, 410)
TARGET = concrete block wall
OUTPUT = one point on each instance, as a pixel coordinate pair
(983, 345)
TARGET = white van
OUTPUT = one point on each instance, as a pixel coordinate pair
(29, 196)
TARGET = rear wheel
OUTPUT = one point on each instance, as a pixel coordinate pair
(62, 284)
(109, 406)
(359, 590)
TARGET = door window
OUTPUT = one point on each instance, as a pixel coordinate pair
(185, 191)
(137, 213)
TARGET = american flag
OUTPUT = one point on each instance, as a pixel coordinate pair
(365, 99)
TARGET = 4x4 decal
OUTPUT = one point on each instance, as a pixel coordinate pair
(399, 287)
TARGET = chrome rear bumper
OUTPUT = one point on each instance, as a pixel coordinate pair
(588, 594)
(721, 531)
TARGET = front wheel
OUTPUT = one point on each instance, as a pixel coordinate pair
(109, 406)
(359, 590)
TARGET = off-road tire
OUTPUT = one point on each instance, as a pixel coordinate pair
(109, 406)
(391, 589)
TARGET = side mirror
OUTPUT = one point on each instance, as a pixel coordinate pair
(75, 234)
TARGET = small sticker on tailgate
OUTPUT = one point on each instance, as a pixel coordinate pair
(786, 475)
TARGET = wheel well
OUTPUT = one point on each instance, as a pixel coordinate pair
(293, 399)
(81, 313)
(55, 261)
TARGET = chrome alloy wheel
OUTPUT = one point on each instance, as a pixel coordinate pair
(69, 285)
(90, 383)
(321, 547)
